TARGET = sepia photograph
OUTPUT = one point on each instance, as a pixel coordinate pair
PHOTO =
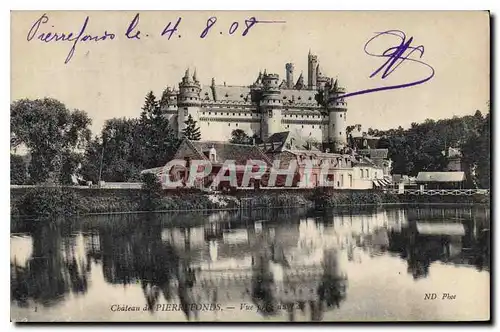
(250, 166)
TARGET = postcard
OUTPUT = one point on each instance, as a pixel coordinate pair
(250, 166)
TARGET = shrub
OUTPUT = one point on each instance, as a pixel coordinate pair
(43, 202)
(151, 194)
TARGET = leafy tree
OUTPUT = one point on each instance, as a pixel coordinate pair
(423, 146)
(191, 131)
(113, 154)
(18, 170)
(48, 130)
(127, 146)
(238, 136)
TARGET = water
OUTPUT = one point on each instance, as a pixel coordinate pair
(352, 265)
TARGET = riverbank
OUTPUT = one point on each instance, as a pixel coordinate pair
(29, 201)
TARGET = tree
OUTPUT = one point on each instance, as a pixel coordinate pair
(191, 131)
(151, 192)
(238, 136)
(155, 135)
(18, 171)
(113, 155)
(48, 130)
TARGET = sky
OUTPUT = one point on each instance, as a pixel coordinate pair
(110, 78)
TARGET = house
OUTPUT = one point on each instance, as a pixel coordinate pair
(379, 158)
(441, 180)
(313, 167)
(216, 153)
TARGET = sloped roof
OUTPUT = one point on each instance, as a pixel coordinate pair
(234, 93)
(226, 93)
(287, 140)
(363, 162)
(440, 177)
(298, 96)
(375, 153)
(240, 153)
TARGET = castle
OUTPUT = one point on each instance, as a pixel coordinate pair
(315, 111)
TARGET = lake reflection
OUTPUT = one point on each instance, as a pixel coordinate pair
(373, 264)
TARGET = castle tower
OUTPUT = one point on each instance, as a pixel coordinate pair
(189, 100)
(270, 106)
(289, 75)
(312, 64)
(169, 106)
(337, 112)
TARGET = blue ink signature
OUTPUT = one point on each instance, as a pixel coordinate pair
(395, 56)
(48, 37)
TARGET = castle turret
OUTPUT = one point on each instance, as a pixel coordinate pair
(189, 99)
(169, 103)
(312, 64)
(289, 75)
(337, 112)
(270, 105)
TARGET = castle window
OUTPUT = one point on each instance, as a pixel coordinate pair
(302, 126)
(192, 90)
(319, 126)
(299, 98)
(340, 115)
(209, 113)
(203, 113)
(208, 123)
(190, 98)
(229, 124)
(313, 126)
(236, 125)
(310, 98)
(340, 133)
(233, 114)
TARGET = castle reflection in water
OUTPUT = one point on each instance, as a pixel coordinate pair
(275, 259)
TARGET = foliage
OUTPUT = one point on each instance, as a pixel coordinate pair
(191, 131)
(152, 193)
(48, 202)
(157, 137)
(113, 155)
(48, 130)
(18, 170)
(127, 146)
(423, 146)
(238, 136)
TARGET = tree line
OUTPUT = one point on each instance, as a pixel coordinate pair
(59, 142)
(423, 146)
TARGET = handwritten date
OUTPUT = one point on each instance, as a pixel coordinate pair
(132, 31)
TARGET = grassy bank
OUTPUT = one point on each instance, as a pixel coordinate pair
(72, 201)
